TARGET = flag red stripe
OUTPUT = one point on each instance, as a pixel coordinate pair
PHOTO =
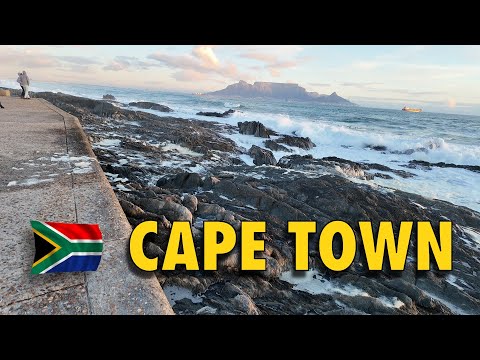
(78, 231)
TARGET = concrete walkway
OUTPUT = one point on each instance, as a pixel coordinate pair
(48, 172)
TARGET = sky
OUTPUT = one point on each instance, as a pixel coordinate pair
(436, 77)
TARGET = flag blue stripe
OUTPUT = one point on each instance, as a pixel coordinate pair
(78, 263)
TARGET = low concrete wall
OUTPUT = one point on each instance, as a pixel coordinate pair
(50, 147)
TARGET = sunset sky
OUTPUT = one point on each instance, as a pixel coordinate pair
(437, 78)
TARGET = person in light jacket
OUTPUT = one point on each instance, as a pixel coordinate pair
(19, 80)
(25, 82)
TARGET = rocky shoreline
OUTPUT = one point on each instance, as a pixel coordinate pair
(168, 169)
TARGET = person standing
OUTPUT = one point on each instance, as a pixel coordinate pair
(19, 80)
(26, 84)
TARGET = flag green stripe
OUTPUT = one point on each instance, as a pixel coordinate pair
(49, 261)
(55, 237)
(85, 247)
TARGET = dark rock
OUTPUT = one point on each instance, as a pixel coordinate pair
(150, 106)
(109, 97)
(210, 211)
(210, 182)
(105, 109)
(261, 156)
(273, 268)
(176, 212)
(254, 128)
(297, 141)
(131, 210)
(377, 147)
(245, 304)
(426, 164)
(154, 251)
(273, 145)
(182, 181)
(216, 114)
(383, 176)
(190, 202)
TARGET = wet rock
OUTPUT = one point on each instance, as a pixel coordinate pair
(261, 156)
(377, 147)
(297, 141)
(254, 128)
(150, 106)
(217, 114)
(273, 145)
(426, 164)
(109, 97)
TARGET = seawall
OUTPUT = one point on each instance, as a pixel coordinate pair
(48, 172)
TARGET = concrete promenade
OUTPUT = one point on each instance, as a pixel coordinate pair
(48, 172)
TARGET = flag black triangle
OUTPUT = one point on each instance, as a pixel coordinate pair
(42, 247)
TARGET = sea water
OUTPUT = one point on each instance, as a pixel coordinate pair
(389, 137)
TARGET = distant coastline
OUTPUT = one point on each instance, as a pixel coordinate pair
(281, 91)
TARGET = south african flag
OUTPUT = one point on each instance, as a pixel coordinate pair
(62, 247)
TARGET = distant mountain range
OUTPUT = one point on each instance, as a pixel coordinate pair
(285, 91)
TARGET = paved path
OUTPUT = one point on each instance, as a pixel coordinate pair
(48, 172)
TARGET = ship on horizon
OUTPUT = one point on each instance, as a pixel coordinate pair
(406, 108)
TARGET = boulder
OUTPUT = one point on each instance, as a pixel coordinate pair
(154, 251)
(261, 156)
(245, 304)
(190, 202)
(109, 97)
(273, 145)
(4, 92)
(210, 182)
(216, 114)
(176, 212)
(183, 180)
(131, 210)
(150, 106)
(254, 128)
(297, 141)
(104, 109)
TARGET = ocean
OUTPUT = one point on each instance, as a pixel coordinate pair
(388, 137)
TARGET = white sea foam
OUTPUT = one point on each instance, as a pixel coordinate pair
(109, 142)
(314, 283)
(175, 293)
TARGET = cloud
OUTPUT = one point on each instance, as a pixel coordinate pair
(36, 58)
(129, 63)
(272, 62)
(202, 60)
(206, 55)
